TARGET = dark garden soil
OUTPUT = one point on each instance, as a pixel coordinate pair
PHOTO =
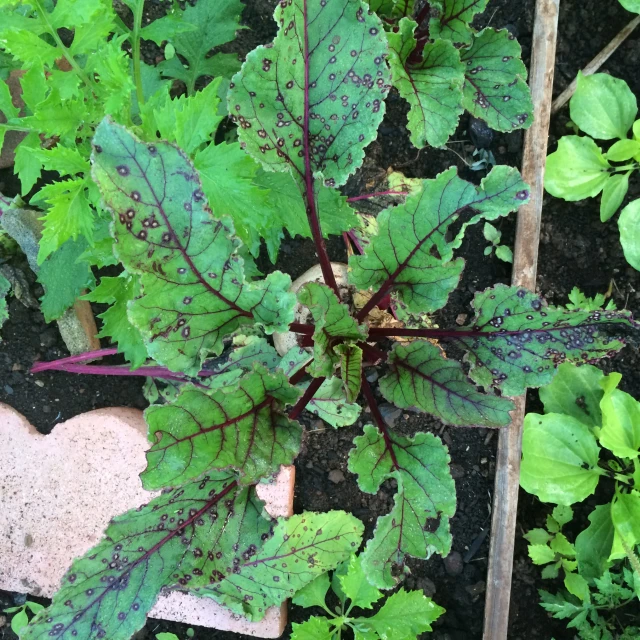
(576, 249)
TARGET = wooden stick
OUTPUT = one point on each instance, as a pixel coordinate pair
(595, 64)
(505, 499)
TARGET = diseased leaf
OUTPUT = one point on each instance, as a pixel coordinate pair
(453, 18)
(350, 368)
(411, 254)
(495, 88)
(433, 86)
(242, 426)
(418, 524)
(331, 405)
(421, 376)
(593, 544)
(516, 340)
(193, 285)
(321, 88)
(356, 587)
(294, 360)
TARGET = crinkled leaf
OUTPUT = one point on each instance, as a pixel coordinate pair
(433, 86)
(593, 544)
(516, 340)
(66, 161)
(629, 226)
(620, 431)
(331, 405)
(193, 285)
(315, 628)
(350, 369)
(242, 426)
(356, 587)
(333, 322)
(421, 376)
(108, 592)
(495, 88)
(418, 524)
(118, 293)
(559, 459)
(411, 254)
(313, 594)
(320, 89)
(453, 18)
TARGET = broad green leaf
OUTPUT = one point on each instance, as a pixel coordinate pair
(559, 459)
(432, 87)
(418, 524)
(613, 193)
(577, 586)
(620, 431)
(404, 615)
(5, 287)
(241, 426)
(504, 253)
(411, 254)
(356, 586)
(516, 340)
(212, 24)
(302, 548)
(331, 405)
(453, 18)
(629, 227)
(350, 368)
(603, 106)
(623, 150)
(537, 537)
(495, 88)
(593, 544)
(315, 628)
(108, 592)
(64, 276)
(118, 293)
(193, 285)
(321, 88)
(575, 391)
(19, 621)
(333, 321)
(313, 594)
(421, 376)
(625, 516)
(631, 5)
(541, 553)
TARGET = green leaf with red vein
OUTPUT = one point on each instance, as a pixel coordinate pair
(312, 101)
(411, 256)
(452, 19)
(432, 86)
(194, 290)
(516, 340)
(495, 88)
(241, 426)
(421, 376)
(350, 369)
(418, 524)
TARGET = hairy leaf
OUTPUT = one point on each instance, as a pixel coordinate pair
(516, 340)
(313, 100)
(421, 376)
(331, 404)
(418, 524)
(411, 254)
(453, 19)
(241, 426)
(495, 88)
(193, 285)
(432, 86)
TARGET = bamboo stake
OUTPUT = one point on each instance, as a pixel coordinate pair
(595, 64)
(505, 500)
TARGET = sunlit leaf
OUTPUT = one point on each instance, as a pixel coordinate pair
(620, 431)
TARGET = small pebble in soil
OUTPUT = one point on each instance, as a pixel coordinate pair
(372, 377)
(39, 383)
(453, 564)
(46, 408)
(461, 318)
(49, 337)
(336, 476)
(8, 390)
(390, 413)
(457, 471)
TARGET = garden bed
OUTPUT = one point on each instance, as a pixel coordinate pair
(576, 250)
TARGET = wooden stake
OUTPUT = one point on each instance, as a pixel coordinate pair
(595, 64)
(505, 499)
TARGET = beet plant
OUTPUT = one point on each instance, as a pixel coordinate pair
(306, 106)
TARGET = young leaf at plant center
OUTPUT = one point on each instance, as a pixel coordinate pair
(332, 322)
(213, 24)
(421, 376)
(350, 368)
(629, 227)
(603, 107)
(418, 524)
(330, 403)
(516, 341)
(432, 86)
(575, 391)
(495, 88)
(118, 293)
(620, 431)
(593, 544)
(193, 285)
(322, 86)
(559, 459)
(453, 18)
(302, 548)
(241, 426)
(411, 255)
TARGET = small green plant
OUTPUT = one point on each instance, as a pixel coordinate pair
(605, 109)
(20, 618)
(403, 616)
(492, 235)
(590, 431)
(577, 300)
